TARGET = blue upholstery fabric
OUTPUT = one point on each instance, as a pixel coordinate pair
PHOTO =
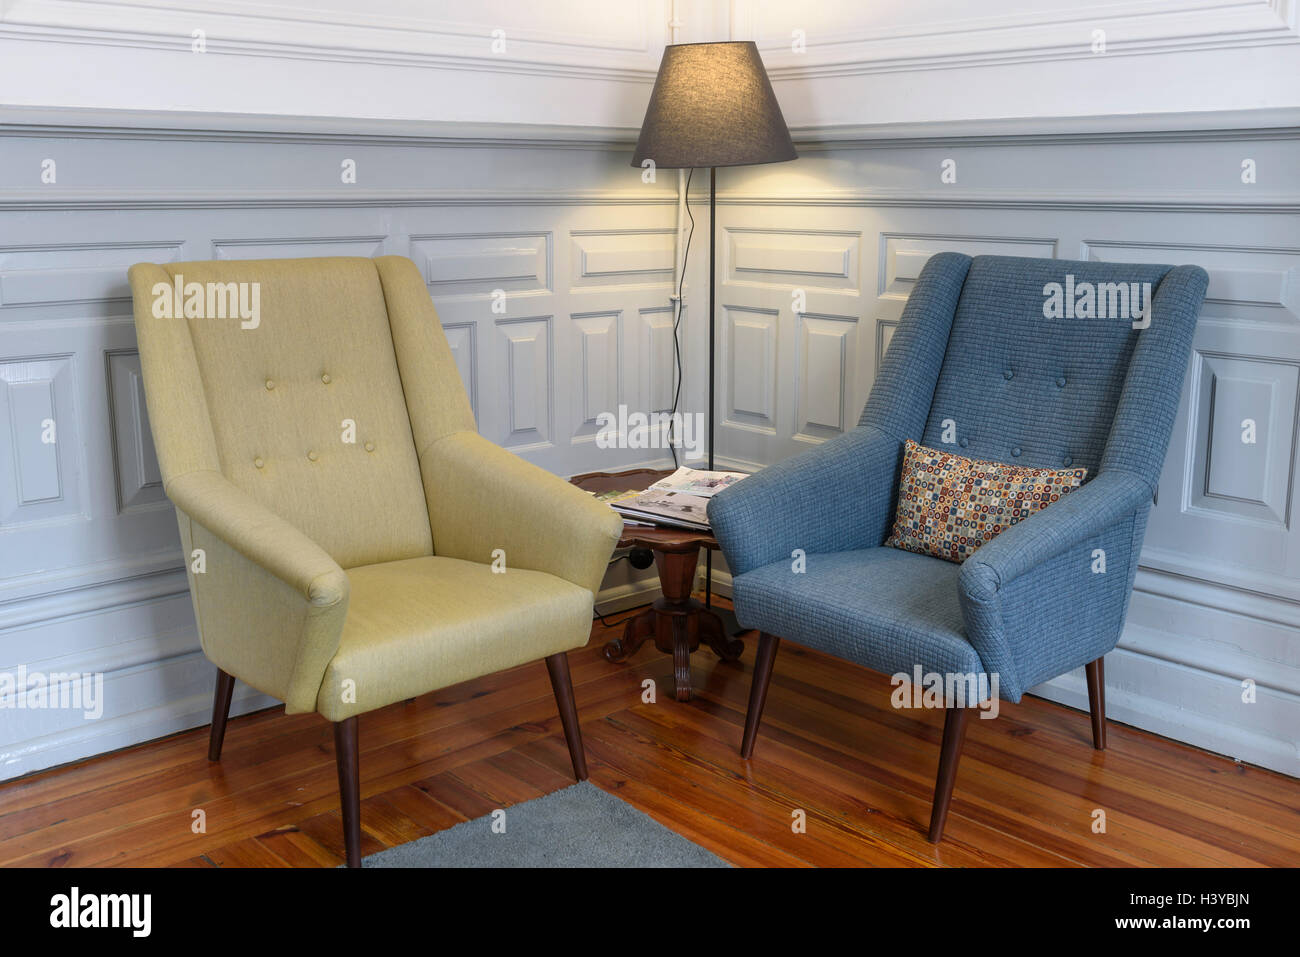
(894, 607)
(974, 347)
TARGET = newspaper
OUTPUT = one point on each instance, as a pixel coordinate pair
(680, 501)
(697, 482)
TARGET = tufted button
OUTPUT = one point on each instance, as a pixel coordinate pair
(1008, 374)
(312, 456)
(1060, 382)
(270, 384)
(964, 442)
(325, 377)
(1016, 451)
(258, 463)
(370, 446)
(1067, 461)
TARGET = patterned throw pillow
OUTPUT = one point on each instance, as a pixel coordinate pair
(948, 505)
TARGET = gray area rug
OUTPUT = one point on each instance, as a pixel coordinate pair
(580, 826)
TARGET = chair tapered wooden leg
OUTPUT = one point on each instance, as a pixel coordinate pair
(562, 685)
(1096, 673)
(346, 757)
(954, 732)
(220, 713)
(763, 660)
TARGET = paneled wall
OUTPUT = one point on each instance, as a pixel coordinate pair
(90, 574)
(505, 168)
(845, 231)
(550, 267)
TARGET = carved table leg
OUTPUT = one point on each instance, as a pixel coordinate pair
(676, 621)
(681, 657)
(714, 634)
(677, 611)
(637, 630)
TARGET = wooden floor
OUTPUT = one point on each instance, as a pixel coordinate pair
(831, 745)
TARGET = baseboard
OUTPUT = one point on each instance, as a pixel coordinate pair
(81, 739)
(1218, 728)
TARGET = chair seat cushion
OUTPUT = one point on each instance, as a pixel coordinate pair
(420, 624)
(885, 609)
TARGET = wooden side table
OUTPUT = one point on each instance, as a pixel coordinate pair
(677, 622)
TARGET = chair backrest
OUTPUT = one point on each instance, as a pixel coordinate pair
(1042, 364)
(285, 377)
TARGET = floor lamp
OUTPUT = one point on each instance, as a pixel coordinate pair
(712, 105)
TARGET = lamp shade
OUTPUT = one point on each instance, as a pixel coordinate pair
(712, 105)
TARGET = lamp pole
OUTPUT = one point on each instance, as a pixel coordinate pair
(713, 234)
(713, 242)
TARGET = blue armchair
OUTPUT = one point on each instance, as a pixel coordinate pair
(975, 357)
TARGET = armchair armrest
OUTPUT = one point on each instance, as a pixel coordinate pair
(482, 498)
(260, 535)
(270, 602)
(835, 497)
(1033, 604)
(1070, 521)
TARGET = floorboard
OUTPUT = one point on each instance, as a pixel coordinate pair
(832, 753)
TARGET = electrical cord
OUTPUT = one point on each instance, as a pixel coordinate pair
(622, 621)
(677, 320)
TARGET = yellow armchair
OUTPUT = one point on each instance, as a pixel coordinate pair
(351, 540)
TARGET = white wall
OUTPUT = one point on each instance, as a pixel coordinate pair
(949, 61)
(591, 62)
(510, 171)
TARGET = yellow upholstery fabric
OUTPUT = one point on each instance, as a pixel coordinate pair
(311, 559)
(424, 623)
(269, 602)
(278, 395)
(435, 395)
(482, 498)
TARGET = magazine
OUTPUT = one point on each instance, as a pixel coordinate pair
(676, 509)
(698, 482)
(609, 498)
(681, 500)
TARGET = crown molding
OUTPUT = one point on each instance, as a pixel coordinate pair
(1195, 127)
(75, 122)
(135, 199)
(1206, 126)
(1134, 28)
(1183, 201)
(343, 196)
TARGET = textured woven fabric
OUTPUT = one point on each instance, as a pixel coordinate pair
(422, 624)
(976, 358)
(883, 607)
(949, 505)
(251, 425)
(836, 496)
(903, 393)
(280, 397)
(489, 499)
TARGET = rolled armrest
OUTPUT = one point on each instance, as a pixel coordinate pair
(835, 497)
(482, 498)
(260, 535)
(1070, 521)
(270, 602)
(1032, 600)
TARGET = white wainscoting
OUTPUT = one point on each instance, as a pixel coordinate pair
(90, 572)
